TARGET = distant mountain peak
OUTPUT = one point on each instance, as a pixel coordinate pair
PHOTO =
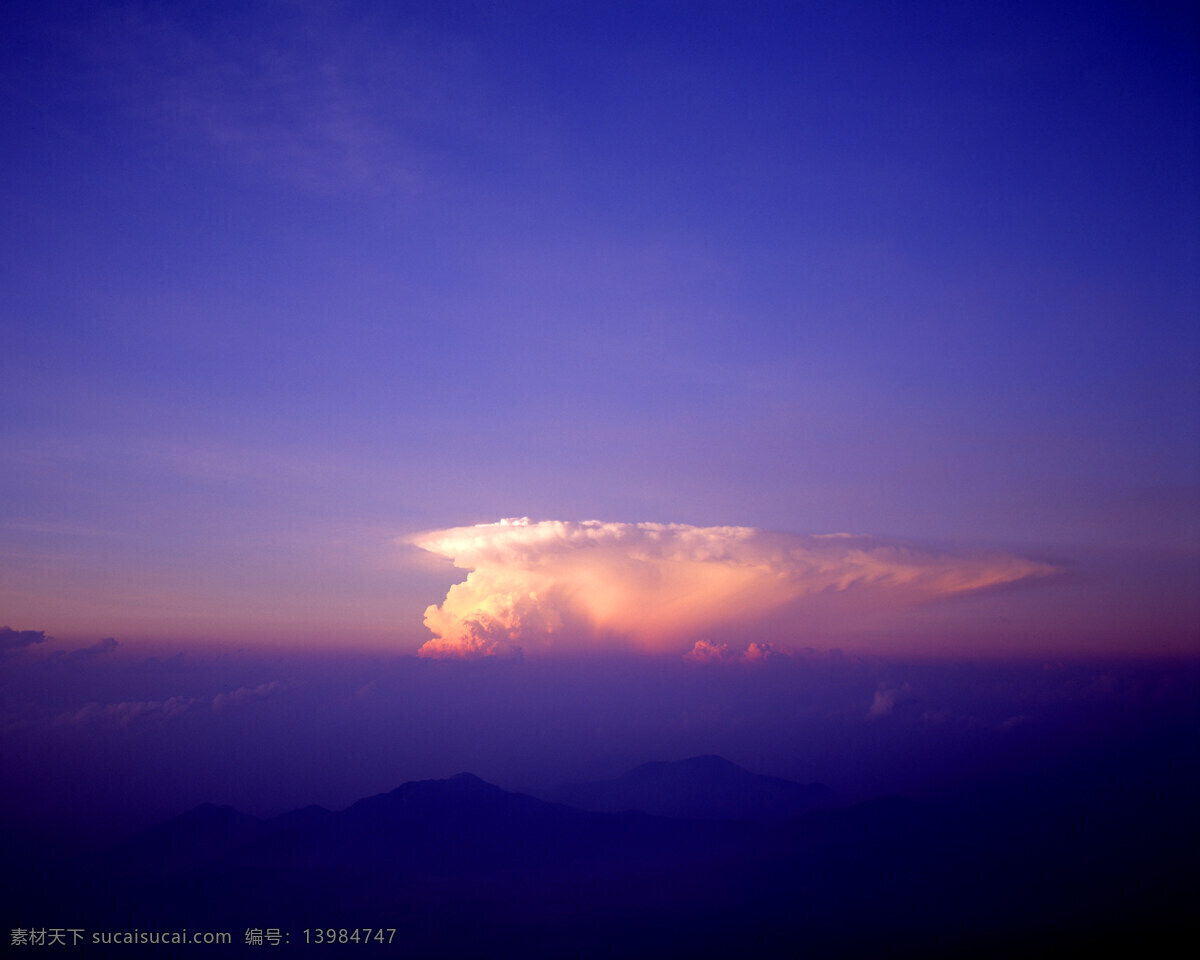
(708, 760)
(469, 779)
(422, 792)
(459, 783)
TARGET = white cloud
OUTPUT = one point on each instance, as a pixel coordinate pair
(579, 586)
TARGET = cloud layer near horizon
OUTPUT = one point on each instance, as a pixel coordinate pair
(660, 588)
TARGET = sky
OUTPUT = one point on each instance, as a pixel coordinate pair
(539, 389)
(290, 288)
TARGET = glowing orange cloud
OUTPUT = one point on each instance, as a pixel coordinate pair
(661, 587)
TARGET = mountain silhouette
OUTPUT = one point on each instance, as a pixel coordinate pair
(462, 867)
(199, 836)
(706, 787)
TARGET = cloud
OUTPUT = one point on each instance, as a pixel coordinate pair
(656, 587)
(107, 645)
(706, 652)
(223, 701)
(11, 639)
(756, 652)
(886, 698)
(127, 713)
(332, 101)
(761, 652)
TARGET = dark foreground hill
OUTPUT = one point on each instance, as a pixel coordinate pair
(460, 867)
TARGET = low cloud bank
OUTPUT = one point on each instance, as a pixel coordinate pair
(656, 587)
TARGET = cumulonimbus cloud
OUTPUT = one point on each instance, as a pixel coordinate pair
(661, 587)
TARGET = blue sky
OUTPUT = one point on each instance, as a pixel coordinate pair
(285, 282)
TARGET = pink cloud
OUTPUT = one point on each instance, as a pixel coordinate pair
(660, 588)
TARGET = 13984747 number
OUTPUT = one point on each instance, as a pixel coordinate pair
(350, 935)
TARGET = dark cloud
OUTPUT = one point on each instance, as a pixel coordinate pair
(11, 639)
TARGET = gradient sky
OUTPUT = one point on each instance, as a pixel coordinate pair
(286, 285)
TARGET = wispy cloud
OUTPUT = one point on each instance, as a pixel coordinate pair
(223, 701)
(127, 713)
(318, 95)
(98, 649)
(659, 587)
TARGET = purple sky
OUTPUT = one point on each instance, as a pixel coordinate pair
(287, 284)
(296, 295)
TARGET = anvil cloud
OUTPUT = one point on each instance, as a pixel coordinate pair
(661, 588)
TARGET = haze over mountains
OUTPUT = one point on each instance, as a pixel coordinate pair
(703, 788)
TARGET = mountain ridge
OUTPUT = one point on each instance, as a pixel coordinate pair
(460, 866)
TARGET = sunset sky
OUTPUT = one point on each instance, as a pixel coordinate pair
(540, 389)
(291, 287)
